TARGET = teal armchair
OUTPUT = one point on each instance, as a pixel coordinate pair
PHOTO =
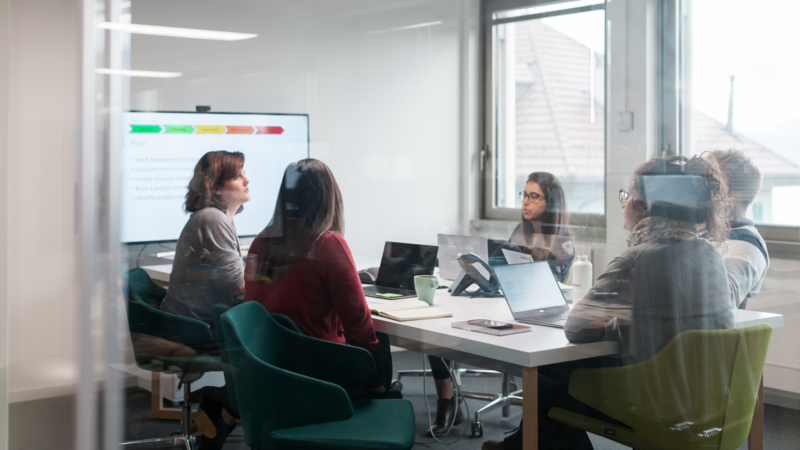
(291, 389)
(168, 343)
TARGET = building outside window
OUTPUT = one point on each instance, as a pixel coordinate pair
(742, 86)
(548, 69)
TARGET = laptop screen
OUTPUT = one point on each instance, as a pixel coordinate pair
(529, 286)
(401, 262)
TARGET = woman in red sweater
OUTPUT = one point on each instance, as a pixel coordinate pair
(300, 266)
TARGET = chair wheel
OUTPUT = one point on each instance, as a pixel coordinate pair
(477, 429)
(397, 386)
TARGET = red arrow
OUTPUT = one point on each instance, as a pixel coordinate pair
(269, 130)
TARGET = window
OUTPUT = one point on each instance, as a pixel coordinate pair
(743, 91)
(545, 104)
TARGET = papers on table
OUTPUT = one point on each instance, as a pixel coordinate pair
(403, 310)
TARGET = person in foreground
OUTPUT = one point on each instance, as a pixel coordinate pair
(301, 266)
(208, 267)
(745, 254)
(669, 280)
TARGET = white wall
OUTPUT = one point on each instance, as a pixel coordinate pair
(386, 105)
(42, 131)
(5, 43)
(779, 294)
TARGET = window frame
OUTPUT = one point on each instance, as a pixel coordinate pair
(488, 154)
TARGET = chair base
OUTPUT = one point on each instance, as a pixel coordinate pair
(509, 396)
(186, 442)
(185, 439)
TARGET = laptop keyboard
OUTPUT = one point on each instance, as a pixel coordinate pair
(550, 318)
(388, 290)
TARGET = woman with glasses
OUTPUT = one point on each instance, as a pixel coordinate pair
(544, 230)
(669, 280)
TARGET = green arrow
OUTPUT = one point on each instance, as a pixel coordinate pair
(145, 128)
(178, 129)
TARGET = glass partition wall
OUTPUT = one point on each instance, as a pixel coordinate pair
(522, 127)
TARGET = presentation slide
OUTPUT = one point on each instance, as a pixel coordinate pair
(161, 149)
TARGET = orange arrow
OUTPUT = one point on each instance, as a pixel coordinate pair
(237, 129)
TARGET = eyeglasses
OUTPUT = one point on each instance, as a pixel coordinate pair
(624, 195)
(533, 196)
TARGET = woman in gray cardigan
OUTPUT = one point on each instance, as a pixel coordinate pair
(208, 267)
(669, 280)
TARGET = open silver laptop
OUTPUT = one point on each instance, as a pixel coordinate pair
(532, 294)
(513, 257)
(451, 245)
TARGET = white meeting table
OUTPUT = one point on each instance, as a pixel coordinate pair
(521, 354)
(517, 354)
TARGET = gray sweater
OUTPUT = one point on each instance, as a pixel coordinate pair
(208, 266)
(652, 292)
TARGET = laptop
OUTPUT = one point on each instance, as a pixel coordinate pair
(399, 265)
(513, 257)
(451, 245)
(532, 294)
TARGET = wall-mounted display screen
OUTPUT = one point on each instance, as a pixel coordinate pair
(161, 149)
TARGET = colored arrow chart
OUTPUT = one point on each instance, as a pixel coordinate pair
(205, 129)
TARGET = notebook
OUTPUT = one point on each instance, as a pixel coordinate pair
(404, 310)
(494, 332)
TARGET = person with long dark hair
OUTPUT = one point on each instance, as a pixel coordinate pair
(300, 266)
(544, 231)
(208, 267)
(544, 234)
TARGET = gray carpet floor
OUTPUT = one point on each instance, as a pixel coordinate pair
(782, 426)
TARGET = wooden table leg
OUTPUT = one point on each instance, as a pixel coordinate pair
(157, 409)
(756, 439)
(530, 408)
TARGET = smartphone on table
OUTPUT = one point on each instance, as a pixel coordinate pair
(493, 324)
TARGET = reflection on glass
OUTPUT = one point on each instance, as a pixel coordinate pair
(744, 95)
(549, 85)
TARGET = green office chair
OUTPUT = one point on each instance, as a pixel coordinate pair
(217, 312)
(291, 389)
(165, 342)
(699, 392)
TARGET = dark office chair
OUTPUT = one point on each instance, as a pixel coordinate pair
(168, 343)
(272, 363)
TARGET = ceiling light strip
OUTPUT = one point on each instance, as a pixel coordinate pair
(189, 33)
(139, 73)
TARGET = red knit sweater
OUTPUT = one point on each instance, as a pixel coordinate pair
(322, 295)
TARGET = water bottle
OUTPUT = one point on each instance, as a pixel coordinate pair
(581, 278)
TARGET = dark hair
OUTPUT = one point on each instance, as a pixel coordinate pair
(711, 190)
(556, 217)
(210, 173)
(309, 205)
(739, 172)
